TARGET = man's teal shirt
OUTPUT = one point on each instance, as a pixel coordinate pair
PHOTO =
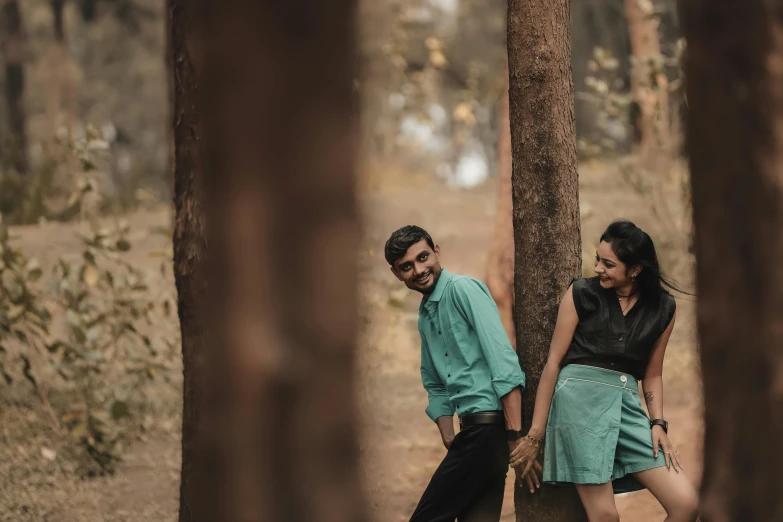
(467, 362)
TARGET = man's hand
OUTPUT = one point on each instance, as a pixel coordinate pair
(446, 429)
(523, 477)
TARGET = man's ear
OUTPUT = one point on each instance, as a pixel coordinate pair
(437, 252)
(396, 274)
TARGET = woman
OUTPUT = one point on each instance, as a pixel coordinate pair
(611, 331)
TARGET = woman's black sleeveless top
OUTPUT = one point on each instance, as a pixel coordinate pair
(607, 339)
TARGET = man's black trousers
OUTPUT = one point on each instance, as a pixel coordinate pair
(470, 482)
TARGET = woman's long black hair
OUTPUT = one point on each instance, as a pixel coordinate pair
(634, 247)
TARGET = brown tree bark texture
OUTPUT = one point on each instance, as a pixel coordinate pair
(734, 136)
(648, 90)
(277, 439)
(500, 264)
(189, 235)
(12, 50)
(546, 204)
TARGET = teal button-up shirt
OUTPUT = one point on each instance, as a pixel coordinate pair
(467, 362)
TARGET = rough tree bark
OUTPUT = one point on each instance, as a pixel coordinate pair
(276, 438)
(500, 264)
(734, 136)
(648, 84)
(11, 28)
(546, 205)
(189, 232)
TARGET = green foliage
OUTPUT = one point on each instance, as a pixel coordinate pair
(23, 318)
(94, 344)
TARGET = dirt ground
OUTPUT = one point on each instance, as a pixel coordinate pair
(400, 446)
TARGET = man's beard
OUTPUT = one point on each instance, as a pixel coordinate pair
(431, 287)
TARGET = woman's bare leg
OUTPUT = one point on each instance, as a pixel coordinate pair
(674, 491)
(598, 501)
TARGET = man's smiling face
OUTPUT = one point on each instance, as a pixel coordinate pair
(419, 268)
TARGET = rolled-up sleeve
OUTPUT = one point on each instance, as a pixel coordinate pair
(475, 301)
(439, 401)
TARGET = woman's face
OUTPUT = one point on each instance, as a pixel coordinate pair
(612, 272)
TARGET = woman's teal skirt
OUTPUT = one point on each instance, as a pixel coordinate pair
(597, 430)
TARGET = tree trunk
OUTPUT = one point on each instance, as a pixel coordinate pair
(88, 10)
(734, 135)
(189, 235)
(16, 152)
(648, 84)
(57, 15)
(546, 205)
(500, 265)
(277, 430)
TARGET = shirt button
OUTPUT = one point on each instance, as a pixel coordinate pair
(623, 378)
(621, 338)
(449, 375)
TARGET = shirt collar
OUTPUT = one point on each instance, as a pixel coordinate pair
(443, 281)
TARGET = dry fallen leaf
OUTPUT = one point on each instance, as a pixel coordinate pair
(48, 454)
(90, 275)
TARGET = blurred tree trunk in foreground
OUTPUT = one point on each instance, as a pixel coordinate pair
(546, 205)
(15, 151)
(500, 265)
(648, 83)
(734, 71)
(276, 431)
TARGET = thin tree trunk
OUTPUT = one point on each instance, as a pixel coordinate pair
(546, 205)
(277, 438)
(88, 10)
(12, 48)
(734, 134)
(500, 265)
(648, 84)
(57, 15)
(189, 237)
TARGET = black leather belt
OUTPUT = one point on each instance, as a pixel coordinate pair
(482, 417)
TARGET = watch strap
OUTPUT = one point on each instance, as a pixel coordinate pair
(512, 435)
(662, 423)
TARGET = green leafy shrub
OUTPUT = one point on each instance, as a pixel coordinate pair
(87, 329)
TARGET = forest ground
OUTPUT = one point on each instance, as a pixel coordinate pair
(400, 446)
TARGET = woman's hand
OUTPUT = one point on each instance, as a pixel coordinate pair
(523, 458)
(661, 440)
(531, 479)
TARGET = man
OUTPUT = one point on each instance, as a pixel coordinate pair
(467, 367)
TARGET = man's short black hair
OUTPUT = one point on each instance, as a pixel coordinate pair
(402, 239)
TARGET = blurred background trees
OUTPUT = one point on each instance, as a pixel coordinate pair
(87, 320)
(432, 78)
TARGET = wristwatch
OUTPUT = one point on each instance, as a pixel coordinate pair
(514, 434)
(660, 422)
